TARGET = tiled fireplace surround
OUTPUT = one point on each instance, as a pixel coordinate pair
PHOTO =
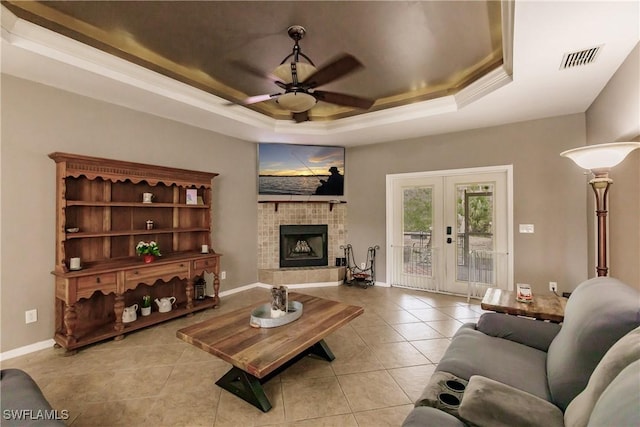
(269, 221)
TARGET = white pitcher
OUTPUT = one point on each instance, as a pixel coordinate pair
(130, 314)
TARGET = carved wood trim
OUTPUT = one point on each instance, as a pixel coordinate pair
(120, 171)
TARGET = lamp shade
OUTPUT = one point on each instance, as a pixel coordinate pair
(600, 156)
(303, 70)
(296, 102)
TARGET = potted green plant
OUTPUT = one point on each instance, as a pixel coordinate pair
(148, 250)
(145, 307)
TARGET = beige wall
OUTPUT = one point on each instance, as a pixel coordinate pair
(615, 116)
(547, 191)
(37, 120)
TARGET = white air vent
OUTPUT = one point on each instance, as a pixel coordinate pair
(582, 57)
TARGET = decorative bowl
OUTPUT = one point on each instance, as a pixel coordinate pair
(73, 230)
(261, 316)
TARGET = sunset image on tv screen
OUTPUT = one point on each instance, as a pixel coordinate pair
(286, 169)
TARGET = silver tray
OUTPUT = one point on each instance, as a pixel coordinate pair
(261, 316)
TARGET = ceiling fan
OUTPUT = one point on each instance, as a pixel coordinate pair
(299, 81)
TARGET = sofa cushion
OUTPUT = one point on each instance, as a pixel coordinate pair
(621, 355)
(492, 404)
(598, 313)
(618, 404)
(473, 353)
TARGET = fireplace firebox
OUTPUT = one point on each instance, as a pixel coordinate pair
(303, 245)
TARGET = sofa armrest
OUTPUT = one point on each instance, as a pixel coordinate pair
(532, 333)
(493, 404)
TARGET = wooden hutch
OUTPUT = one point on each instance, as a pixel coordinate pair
(100, 217)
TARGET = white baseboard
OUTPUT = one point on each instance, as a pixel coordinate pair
(267, 286)
(305, 285)
(319, 285)
(236, 290)
(21, 351)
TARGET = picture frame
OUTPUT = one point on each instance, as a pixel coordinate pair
(192, 196)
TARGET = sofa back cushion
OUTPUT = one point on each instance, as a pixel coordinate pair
(599, 312)
(622, 354)
(618, 404)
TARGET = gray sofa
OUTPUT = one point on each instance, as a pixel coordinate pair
(23, 403)
(508, 371)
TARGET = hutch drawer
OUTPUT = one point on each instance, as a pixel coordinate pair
(204, 264)
(87, 285)
(149, 273)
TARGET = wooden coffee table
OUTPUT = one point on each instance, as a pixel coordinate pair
(544, 306)
(258, 354)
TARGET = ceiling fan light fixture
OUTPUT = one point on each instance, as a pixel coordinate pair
(303, 70)
(299, 81)
(296, 102)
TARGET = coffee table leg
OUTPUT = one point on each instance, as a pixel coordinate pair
(245, 386)
(321, 349)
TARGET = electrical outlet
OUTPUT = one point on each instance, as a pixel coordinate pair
(527, 228)
(31, 316)
(223, 275)
(553, 286)
(363, 265)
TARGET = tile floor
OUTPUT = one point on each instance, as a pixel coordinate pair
(383, 360)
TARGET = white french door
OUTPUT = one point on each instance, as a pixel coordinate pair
(450, 231)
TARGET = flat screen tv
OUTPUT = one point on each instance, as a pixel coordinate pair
(300, 170)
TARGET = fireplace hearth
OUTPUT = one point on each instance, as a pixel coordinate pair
(303, 245)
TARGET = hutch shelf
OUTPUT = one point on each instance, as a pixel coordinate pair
(100, 217)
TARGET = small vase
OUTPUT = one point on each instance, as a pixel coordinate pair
(145, 311)
(148, 259)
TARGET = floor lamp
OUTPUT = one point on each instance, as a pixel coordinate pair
(599, 159)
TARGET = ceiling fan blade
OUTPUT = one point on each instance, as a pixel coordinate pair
(343, 99)
(339, 67)
(249, 69)
(300, 117)
(260, 98)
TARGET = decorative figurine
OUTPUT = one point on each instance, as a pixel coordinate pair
(279, 301)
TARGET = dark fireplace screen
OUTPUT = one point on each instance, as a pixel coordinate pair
(303, 245)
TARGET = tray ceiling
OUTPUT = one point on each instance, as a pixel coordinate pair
(411, 51)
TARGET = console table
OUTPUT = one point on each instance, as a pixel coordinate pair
(101, 215)
(543, 307)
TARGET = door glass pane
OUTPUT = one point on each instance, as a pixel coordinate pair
(417, 205)
(475, 217)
